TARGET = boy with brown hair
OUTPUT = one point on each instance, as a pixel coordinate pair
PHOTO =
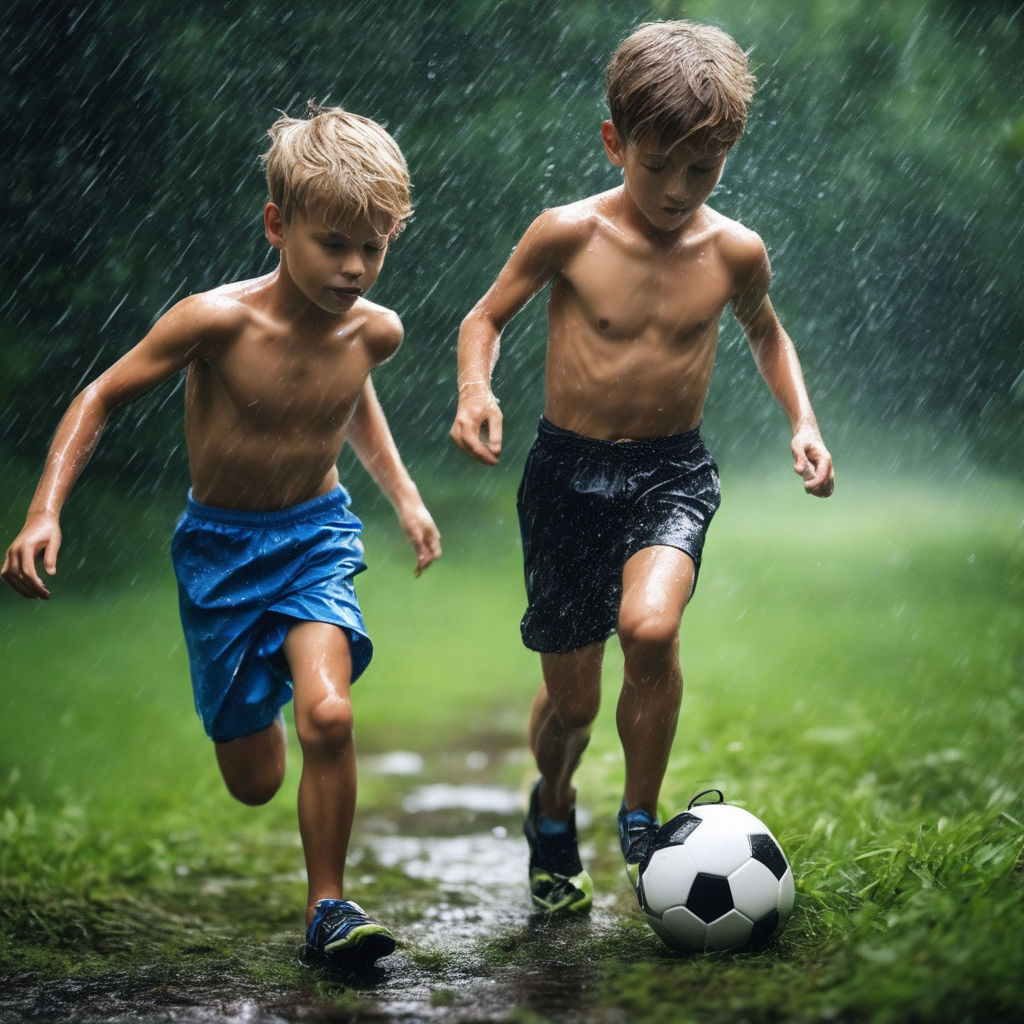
(277, 380)
(618, 489)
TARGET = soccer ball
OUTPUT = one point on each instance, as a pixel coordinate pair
(715, 878)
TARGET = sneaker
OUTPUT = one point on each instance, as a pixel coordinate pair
(342, 934)
(558, 882)
(636, 831)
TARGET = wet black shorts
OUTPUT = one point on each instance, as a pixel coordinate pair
(587, 506)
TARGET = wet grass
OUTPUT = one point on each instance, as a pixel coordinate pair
(855, 676)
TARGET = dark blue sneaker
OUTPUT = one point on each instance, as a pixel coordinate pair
(636, 830)
(558, 882)
(342, 934)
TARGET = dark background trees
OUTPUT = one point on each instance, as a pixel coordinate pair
(882, 165)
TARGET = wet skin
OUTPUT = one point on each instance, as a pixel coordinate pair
(277, 380)
(639, 279)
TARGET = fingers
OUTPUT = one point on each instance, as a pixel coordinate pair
(812, 462)
(476, 447)
(822, 489)
(492, 431)
(477, 431)
(50, 556)
(816, 469)
(19, 573)
(428, 551)
(40, 536)
(424, 559)
(424, 536)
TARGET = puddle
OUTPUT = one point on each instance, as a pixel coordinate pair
(395, 762)
(472, 948)
(480, 799)
(490, 861)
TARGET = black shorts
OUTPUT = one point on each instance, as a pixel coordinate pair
(587, 506)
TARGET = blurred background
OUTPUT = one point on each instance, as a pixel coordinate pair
(882, 165)
(857, 663)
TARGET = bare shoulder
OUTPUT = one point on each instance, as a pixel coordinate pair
(562, 229)
(211, 316)
(382, 330)
(742, 249)
(231, 306)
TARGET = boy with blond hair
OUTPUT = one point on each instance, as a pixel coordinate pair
(618, 489)
(277, 380)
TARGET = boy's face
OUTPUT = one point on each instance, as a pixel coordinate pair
(331, 266)
(667, 184)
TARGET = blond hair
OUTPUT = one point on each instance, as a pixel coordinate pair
(675, 80)
(337, 165)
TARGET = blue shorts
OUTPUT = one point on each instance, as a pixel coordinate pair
(586, 506)
(244, 578)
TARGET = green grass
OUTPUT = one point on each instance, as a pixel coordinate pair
(854, 675)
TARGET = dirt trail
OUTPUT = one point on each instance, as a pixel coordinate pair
(471, 949)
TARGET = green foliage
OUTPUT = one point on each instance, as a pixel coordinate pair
(882, 158)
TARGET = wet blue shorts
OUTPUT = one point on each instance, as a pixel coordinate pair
(244, 578)
(586, 506)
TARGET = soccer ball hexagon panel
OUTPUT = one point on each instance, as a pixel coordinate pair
(715, 878)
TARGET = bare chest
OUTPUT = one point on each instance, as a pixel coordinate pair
(624, 293)
(276, 385)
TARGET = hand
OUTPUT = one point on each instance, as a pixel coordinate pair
(423, 535)
(40, 535)
(477, 426)
(812, 461)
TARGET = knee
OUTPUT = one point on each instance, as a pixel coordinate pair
(254, 790)
(648, 636)
(253, 783)
(253, 767)
(577, 711)
(328, 724)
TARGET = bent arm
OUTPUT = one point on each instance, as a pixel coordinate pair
(777, 362)
(537, 258)
(374, 445)
(165, 350)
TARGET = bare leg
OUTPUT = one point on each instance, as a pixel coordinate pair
(253, 766)
(563, 711)
(318, 654)
(657, 583)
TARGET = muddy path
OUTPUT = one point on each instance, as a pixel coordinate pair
(452, 856)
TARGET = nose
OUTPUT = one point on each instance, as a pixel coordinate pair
(353, 265)
(676, 188)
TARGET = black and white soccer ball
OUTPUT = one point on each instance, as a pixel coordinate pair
(715, 878)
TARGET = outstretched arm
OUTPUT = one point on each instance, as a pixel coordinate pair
(165, 350)
(372, 441)
(541, 253)
(778, 364)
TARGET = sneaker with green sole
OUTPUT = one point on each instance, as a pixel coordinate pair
(342, 934)
(558, 882)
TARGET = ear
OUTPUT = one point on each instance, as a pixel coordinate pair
(273, 225)
(613, 146)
